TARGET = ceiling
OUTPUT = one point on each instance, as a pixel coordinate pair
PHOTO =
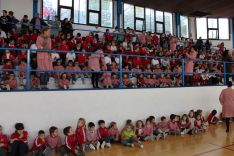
(216, 8)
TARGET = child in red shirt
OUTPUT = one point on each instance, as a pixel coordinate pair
(71, 144)
(80, 135)
(39, 144)
(19, 141)
(103, 133)
(3, 143)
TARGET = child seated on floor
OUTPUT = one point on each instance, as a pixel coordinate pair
(140, 130)
(148, 131)
(114, 132)
(173, 126)
(185, 124)
(128, 137)
(163, 128)
(71, 144)
(53, 142)
(19, 141)
(103, 133)
(92, 139)
(39, 144)
(198, 124)
(212, 119)
(3, 143)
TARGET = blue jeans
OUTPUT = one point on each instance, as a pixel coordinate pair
(126, 142)
(44, 78)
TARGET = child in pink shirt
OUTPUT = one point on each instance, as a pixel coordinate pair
(163, 128)
(64, 82)
(92, 138)
(173, 126)
(115, 81)
(113, 132)
(148, 131)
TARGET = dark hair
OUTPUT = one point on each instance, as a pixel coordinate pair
(91, 124)
(101, 122)
(25, 16)
(172, 116)
(129, 121)
(4, 11)
(45, 29)
(52, 129)
(148, 120)
(19, 126)
(214, 112)
(66, 130)
(41, 132)
(163, 118)
(151, 118)
(229, 84)
(11, 13)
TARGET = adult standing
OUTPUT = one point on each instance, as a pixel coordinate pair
(67, 27)
(226, 99)
(44, 60)
(96, 63)
(189, 65)
(227, 58)
(37, 22)
(25, 23)
(55, 26)
(5, 21)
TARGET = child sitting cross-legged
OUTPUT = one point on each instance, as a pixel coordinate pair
(92, 137)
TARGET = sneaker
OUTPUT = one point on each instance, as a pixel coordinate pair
(164, 135)
(98, 145)
(91, 147)
(132, 145)
(182, 133)
(141, 146)
(108, 145)
(103, 145)
(158, 137)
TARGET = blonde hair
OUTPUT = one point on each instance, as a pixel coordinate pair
(82, 120)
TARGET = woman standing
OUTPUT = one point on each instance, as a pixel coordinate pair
(226, 99)
(44, 60)
(189, 66)
(96, 63)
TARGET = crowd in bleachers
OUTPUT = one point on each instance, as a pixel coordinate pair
(118, 41)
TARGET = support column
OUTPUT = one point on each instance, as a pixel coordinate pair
(177, 17)
(35, 7)
(232, 32)
(119, 13)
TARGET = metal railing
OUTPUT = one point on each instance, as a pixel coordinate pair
(121, 71)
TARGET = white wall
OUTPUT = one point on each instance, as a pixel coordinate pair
(228, 43)
(40, 110)
(19, 7)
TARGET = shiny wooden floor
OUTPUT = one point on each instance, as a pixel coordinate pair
(215, 142)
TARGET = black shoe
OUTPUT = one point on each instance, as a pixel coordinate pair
(227, 130)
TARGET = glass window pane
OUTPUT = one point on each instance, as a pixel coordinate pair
(168, 23)
(223, 28)
(65, 13)
(212, 23)
(149, 20)
(213, 34)
(140, 13)
(128, 16)
(159, 28)
(139, 25)
(65, 2)
(159, 16)
(93, 18)
(80, 11)
(50, 8)
(201, 25)
(94, 5)
(184, 26)
(107, 13)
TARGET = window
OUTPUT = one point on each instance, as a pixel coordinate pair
(140, 12)
(184, 28)
(80, 11)
(212, 28)
(98, 12)
(66, 3)
(107, 13)
(201, 24)
(223, 28)
(140, 25)
(159, 16)
(128, 16)
(94, 5)
(168, 23)
(50, 8)
(149, 20)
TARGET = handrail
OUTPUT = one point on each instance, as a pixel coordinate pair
(121, 71)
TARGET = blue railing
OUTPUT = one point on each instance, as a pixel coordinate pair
(121, 71)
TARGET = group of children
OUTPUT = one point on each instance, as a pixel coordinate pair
(88, 137)
(145, 46)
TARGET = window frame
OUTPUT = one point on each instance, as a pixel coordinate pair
(87, 13)
(139, 19)
(217, 29)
